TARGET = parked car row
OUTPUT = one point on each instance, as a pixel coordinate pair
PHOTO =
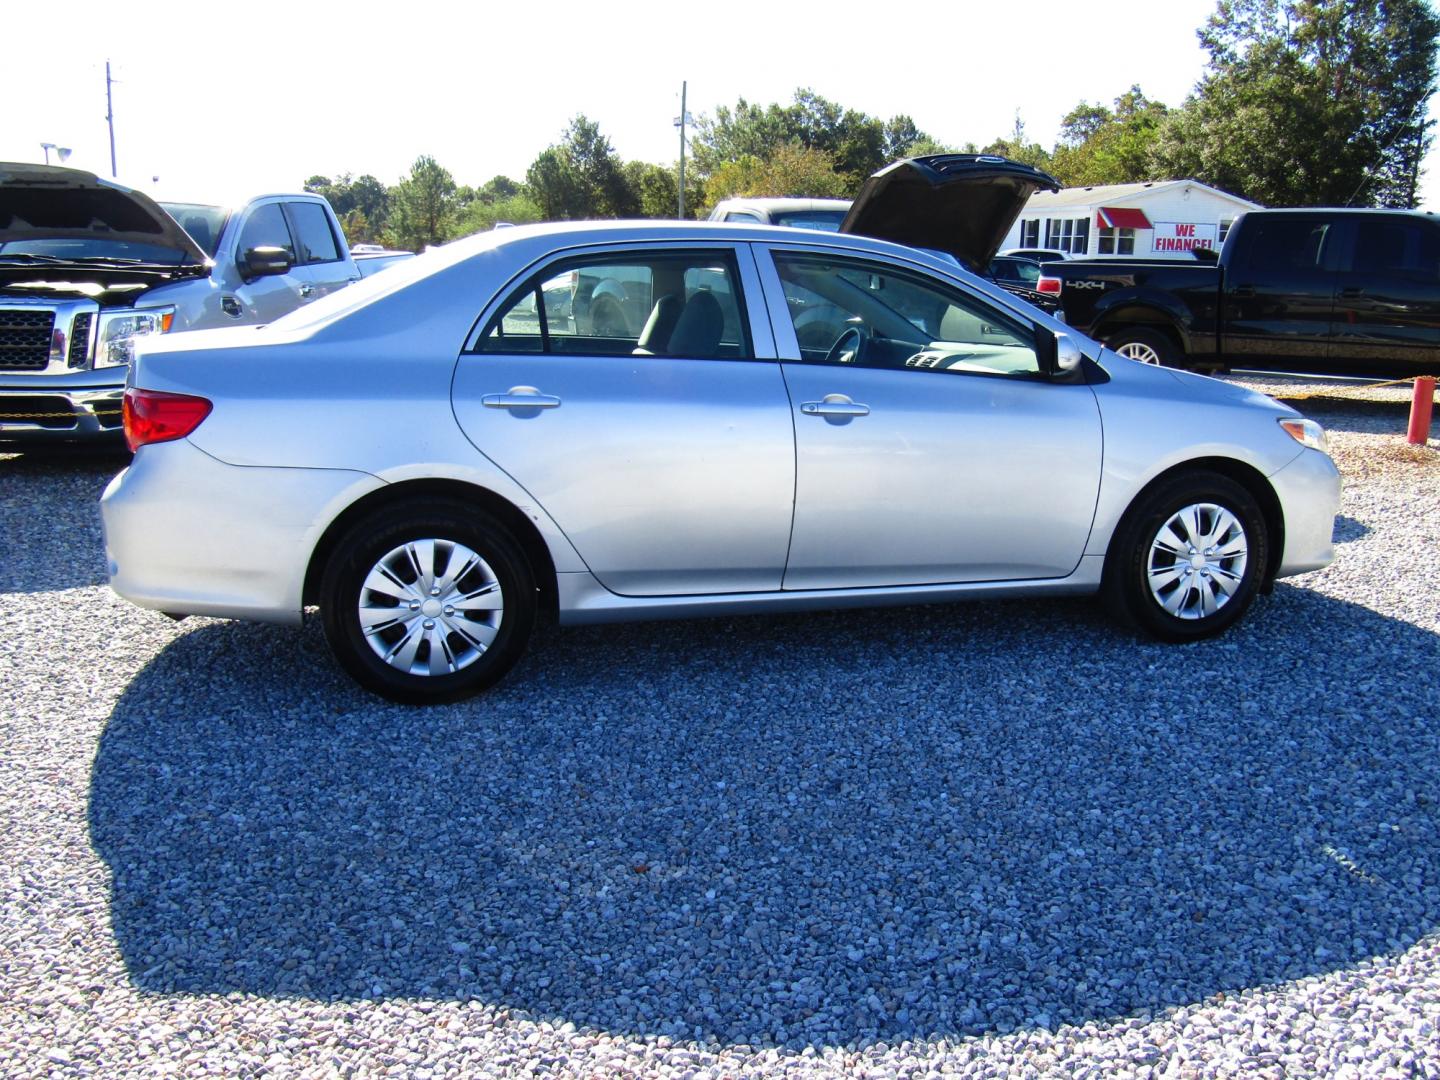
(802, 419)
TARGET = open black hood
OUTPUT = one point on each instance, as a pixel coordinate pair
(961, 204)
(47, 202)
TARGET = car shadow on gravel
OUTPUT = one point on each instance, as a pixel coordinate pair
(50, 506)
(807, 830)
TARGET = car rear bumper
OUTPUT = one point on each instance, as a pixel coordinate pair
(174, 544)
(1309, 493)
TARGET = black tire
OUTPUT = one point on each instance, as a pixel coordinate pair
(1129, 570)
(450, 635)
(1146, 342)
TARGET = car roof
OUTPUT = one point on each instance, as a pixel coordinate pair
(580, 233)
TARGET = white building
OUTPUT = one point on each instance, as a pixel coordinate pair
(1162, 219)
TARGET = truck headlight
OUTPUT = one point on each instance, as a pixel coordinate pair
(115, 338)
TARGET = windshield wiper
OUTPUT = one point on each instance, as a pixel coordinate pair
(30, 257)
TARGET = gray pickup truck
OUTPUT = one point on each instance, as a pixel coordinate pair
(88, 265)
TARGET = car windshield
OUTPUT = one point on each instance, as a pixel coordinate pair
(78, 249)
(819, 220)
(203, 223)
(1019, 270)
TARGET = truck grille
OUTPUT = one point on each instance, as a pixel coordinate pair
(25, 339)
(79, 350)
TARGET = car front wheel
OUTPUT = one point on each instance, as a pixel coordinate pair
(427, 602)
(1187, 560)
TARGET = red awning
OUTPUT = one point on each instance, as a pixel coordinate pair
(1121, 217)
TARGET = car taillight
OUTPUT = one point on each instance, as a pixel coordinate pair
(1048, 285)
(153, 416)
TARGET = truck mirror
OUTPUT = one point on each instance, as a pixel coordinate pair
(265, 262)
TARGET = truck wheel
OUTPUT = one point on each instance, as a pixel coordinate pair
(427, 601)
(1188, 557)
(1146, 346)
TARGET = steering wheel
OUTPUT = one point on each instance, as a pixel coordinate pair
(849, 347)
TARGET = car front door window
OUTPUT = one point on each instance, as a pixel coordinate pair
(875, 315)
(266, 227)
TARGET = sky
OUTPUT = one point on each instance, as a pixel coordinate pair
(212, 105)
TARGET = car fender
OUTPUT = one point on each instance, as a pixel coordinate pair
(1144, 439)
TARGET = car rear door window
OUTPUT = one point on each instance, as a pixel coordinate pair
(685, 305)
(1397, 246)
(312, 230)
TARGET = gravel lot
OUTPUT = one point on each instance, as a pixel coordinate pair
(973, 840)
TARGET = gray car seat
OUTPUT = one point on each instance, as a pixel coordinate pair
(699, 328)
(655, 338)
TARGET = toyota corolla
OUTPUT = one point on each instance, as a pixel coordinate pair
(774, 420)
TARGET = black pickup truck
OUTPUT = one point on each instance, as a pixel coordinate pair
(1343, 292)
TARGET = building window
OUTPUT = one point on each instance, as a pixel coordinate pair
(1030, 233)
(1117, 241)
(1071, 235)
(1225, 229)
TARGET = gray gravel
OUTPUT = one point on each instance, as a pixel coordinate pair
(977, 840)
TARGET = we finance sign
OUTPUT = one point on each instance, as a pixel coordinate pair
(1172, 236)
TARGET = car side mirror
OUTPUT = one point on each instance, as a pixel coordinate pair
(265, 262)
(1057, 352)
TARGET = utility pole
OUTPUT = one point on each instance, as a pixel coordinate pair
(681, 124)
(110, 117)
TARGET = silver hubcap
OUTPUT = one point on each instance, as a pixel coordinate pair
(1197, 561)
(430, 607)
(1138, 350)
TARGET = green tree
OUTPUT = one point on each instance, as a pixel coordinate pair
(791, 170)
(483, 214)
(1017, 147)
(1309, 102)
(654, 187)
(557, 187)
(581, 177)
(497, 188)
(422, 206)
(1101, 146)
(856, 143)
(361, 203)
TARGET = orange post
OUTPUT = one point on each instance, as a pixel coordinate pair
(1422, 403)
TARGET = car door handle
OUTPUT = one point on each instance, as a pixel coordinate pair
(520, 397)
(1243, 290)
(1352, 292)
(831, 407)
(306, 291)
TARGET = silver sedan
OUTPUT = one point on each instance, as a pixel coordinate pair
(645, 420)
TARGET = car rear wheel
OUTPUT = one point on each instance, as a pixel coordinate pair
(1187, 560)
(1146, 346)
(427, 602)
